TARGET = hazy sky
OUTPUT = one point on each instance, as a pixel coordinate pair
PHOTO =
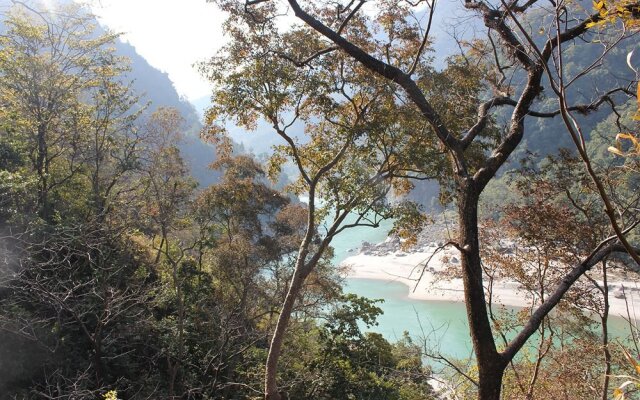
(171, 34)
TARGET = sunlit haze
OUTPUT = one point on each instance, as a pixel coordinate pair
(171, 35)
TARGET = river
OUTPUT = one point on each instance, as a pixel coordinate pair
(442, 324)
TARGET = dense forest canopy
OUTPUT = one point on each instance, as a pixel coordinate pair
(131, 271)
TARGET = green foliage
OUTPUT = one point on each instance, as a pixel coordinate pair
(360, 141)
(341, 361)
(58, 82)
(143, 287)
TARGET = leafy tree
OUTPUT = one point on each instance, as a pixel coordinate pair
(45, 67)
(167, 188)
(235, 218)
(351, 160)
(389, 49)
(341, 361)
(113, 143)
(558, 219)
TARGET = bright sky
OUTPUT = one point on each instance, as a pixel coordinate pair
(171, 34)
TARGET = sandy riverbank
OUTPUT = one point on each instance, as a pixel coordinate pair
(405, 267)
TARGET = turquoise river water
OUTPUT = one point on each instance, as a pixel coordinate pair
(443, 324)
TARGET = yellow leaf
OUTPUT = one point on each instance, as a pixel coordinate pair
(598, 23)
(629, 136)
(638, 369)
(618, 394)
(628, 355)
(615, 151)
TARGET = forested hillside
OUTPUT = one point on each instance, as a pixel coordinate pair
(118, 273)
(155, 87)
(136, 263)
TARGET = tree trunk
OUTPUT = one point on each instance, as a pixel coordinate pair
(491, 364)
(271, 368)
(605, 333)
(490, 381)
(173, 372)
(41, 167)
(97, 359)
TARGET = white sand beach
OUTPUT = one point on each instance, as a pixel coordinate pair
(405, 267)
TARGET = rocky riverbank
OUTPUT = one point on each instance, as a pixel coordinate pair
(426, 268)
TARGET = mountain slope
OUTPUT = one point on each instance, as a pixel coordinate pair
(157, 88)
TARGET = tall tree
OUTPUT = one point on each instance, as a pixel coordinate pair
(350, 161)
(387, 45)
(46, 64)
(167, 186)
(112, 143)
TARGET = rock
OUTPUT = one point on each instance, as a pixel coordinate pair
(506, 246)
(505, 250)
(454, 260)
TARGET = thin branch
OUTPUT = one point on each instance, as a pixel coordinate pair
(440, 357)
(294, 150)
(308, 59)
(351, 14)
(604, 249)
(484, 108)
(426, 264)
(416, 61)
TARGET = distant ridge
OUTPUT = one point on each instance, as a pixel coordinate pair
(156, 87)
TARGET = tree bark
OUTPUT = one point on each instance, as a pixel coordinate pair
(97, 359)
(491, 364)
(41, 165)
(604, 318)
(271, 368)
